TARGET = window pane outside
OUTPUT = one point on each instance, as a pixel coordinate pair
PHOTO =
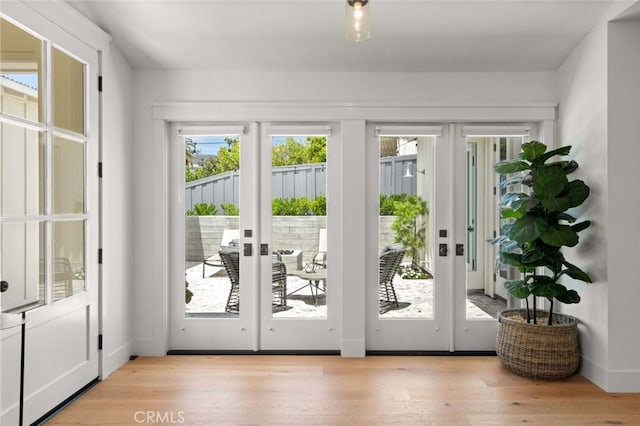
(42, 174)
(20, 73)
(68, 258)
(406, 281)
(22, 171)
(68, 176)
(68, 92)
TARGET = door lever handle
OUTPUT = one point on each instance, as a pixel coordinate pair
(4, 286)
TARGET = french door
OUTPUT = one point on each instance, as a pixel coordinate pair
(265, 192)
(438, 200)
(254, 238)
(49, 214)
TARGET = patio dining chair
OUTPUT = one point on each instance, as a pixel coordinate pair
(389, 262)
(230, 238)
(231, 261)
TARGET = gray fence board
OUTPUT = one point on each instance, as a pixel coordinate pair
(304, 180)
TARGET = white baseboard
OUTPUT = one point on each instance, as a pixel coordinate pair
(610, 380)
(624, 381)
(116, 358)
(353, 348)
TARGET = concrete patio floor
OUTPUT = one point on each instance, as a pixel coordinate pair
(415, 298)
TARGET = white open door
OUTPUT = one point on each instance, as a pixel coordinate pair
(49, 213)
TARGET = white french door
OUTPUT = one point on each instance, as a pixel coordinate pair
(301, 285)
(49, 213)
(410, 169)
(449, 168)
(295, 198)
(268, 208)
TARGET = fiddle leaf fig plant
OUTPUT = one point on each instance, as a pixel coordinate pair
(539, 225)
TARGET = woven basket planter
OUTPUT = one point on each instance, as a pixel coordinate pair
(538, 351)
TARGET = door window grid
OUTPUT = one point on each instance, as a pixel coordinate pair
(49, 192)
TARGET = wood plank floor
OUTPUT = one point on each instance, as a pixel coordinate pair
(329, 390)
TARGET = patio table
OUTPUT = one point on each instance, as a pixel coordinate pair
(313, 281)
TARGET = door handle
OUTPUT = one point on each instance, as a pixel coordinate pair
(4, 286)
(264, 249)
(248, 249)
(443, 250)
(459, 249)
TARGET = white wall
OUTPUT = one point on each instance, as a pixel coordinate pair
(443, 89)
(117, 211)
(584, 121)
(624, 201)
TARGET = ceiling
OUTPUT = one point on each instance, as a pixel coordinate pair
(307, 35)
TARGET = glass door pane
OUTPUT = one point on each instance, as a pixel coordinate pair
(68, 92)
(406, 275)
(212, 228)
(299, 226)
(21, 73)
(485, 291)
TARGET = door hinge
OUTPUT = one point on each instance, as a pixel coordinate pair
(494, 278)
(495, 192)
(494, 147)
(100, 256)
(99, 342)
(99, 83)
(100, 169)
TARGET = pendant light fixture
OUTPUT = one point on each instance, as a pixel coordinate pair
(357, 20)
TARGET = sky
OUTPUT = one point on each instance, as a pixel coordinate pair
(30, 80)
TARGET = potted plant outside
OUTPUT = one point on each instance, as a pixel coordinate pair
(539, 344)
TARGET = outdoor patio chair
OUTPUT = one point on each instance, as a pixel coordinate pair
(62, 278)
(230, 238)
(231, 261)
(390, 259)
(320, 258)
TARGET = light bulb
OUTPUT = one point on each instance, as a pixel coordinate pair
(358, 26)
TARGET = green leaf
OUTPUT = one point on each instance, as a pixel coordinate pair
(509, 198)
(517, 289)
(548, 289)
(512, 259)
(567, 217)
(563, 150)
(522, 204)
(576, 273)
(556, 204)
(510, 166)
(568, 166)
(532, 256)
(527, 229)
(532, 150)
(549, 182)
(509, 247)
(581, 226)
(560, 235)
(498, 240)
(508, 214)
(569, 297)
(515, 180)
(576, 191)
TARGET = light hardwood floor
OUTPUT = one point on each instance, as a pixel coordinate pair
(329, 390)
